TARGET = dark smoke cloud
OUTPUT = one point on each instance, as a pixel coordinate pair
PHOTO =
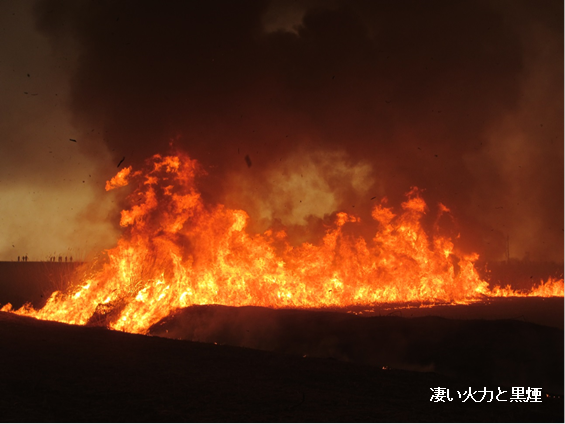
(361, 98)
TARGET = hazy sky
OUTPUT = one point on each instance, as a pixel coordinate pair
(48, 185)
(334, 103)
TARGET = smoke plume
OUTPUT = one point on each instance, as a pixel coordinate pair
(299, 109)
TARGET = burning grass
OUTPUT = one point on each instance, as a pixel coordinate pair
(177, 251)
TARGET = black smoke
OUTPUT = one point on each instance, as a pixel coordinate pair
(462, 99)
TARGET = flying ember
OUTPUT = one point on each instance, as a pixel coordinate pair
(177, 251)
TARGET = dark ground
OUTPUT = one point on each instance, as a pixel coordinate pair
(57, 372)
(481, 352)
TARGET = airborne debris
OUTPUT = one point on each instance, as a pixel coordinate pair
(72, 139)
(248, 161)
(373, 198)
(124, 158)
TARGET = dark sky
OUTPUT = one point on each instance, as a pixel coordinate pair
(333, 103)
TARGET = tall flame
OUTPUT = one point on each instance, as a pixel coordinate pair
(176, 251)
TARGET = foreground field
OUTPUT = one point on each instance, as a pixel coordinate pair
(481, 352)
(57, 372)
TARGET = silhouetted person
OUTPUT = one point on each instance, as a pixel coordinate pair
(65, 259)
(71, 259)
(60, 259)
(18, 258)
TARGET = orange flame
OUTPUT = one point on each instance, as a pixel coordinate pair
(119, 180)
(176, 251)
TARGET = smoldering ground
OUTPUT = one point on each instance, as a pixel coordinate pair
(297, 110)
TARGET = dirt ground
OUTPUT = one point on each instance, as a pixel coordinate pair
(56, 372)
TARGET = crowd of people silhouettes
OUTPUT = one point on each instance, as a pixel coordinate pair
(60, 259)
(51, 258)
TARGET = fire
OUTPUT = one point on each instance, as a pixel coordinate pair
(176, 251)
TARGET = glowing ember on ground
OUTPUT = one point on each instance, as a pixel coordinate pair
(177, 251)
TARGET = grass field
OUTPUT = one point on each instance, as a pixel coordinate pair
(63, 373)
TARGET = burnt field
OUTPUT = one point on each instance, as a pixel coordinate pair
(58, 372)
(482, 352)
